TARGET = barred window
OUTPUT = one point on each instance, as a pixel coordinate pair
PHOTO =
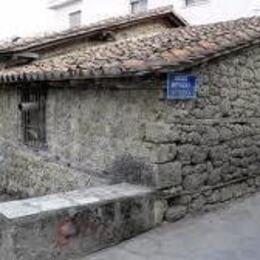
(32, 108)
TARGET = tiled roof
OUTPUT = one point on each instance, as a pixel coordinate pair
(171, 50)
(21, 44)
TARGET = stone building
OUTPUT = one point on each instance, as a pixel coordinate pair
(87, 112)
(43, 149)
(69, 13)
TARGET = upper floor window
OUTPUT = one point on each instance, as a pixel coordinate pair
(195, 2)
(75, 19)
(138, 6)
(57, 4)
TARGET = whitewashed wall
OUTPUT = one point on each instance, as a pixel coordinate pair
(214, 10)
(31, 17)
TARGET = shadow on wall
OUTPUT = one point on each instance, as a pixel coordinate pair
(127, 168)
(28, 174)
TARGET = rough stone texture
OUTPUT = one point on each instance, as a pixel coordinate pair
(71, 225)
(160, 206)
(209, 198)
(128, 132)
(25, 174)
(168, 174)
(175, 213)
(6, 197)
(216, 136)
(93, 128)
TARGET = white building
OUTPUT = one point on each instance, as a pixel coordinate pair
(23, 18)
(71, 13)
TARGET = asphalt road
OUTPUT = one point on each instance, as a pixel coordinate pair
(232, 233)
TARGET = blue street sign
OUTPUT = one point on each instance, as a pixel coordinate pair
(181, 86)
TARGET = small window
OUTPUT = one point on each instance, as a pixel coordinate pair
(138, 6)
(75, 19)
(32, 108)
(195, 2)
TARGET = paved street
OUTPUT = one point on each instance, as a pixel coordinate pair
(232, 233)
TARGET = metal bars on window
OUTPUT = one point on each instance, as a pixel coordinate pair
(32, 108)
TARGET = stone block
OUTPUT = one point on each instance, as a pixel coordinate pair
(71, 225)
(220, 153)
(160, 208)
(199, 154)
(161, 133)
(194, 181)
(185, 153)
(211, 136)
(167, 175)
(197, 204)
(237, 190)
(193, 138)
(134, 170)
(214, 197)
(257, 181)
(164, 153)
(214, 177)
(175, 213)
(183, 200)
(226, 194)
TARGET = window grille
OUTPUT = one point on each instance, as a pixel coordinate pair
(33, 108)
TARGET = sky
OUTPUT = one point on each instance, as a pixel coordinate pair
(22, 17)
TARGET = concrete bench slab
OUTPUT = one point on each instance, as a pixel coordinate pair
(75, 223)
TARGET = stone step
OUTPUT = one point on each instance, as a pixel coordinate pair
(73, 224)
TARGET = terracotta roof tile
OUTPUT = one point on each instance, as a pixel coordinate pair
(174, 49)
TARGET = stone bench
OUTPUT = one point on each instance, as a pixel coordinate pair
(73, 224)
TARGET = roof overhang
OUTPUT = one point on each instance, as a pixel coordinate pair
(108, 25)
(173, 50)
(56, 4)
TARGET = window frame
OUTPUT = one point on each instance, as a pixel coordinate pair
(33, 121)
(77, 20)
(141, 6)
(189, 3)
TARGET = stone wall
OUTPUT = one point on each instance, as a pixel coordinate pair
(211, 145)
(92, 128)
(9, 119)
(127, 131)
(87, 130)
(74, 224)
(25, 172)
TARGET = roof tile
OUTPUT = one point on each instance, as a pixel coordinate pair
(21, 44)
(172, 49)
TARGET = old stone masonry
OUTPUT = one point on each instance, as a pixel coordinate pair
(86, 122)
(212, 144)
